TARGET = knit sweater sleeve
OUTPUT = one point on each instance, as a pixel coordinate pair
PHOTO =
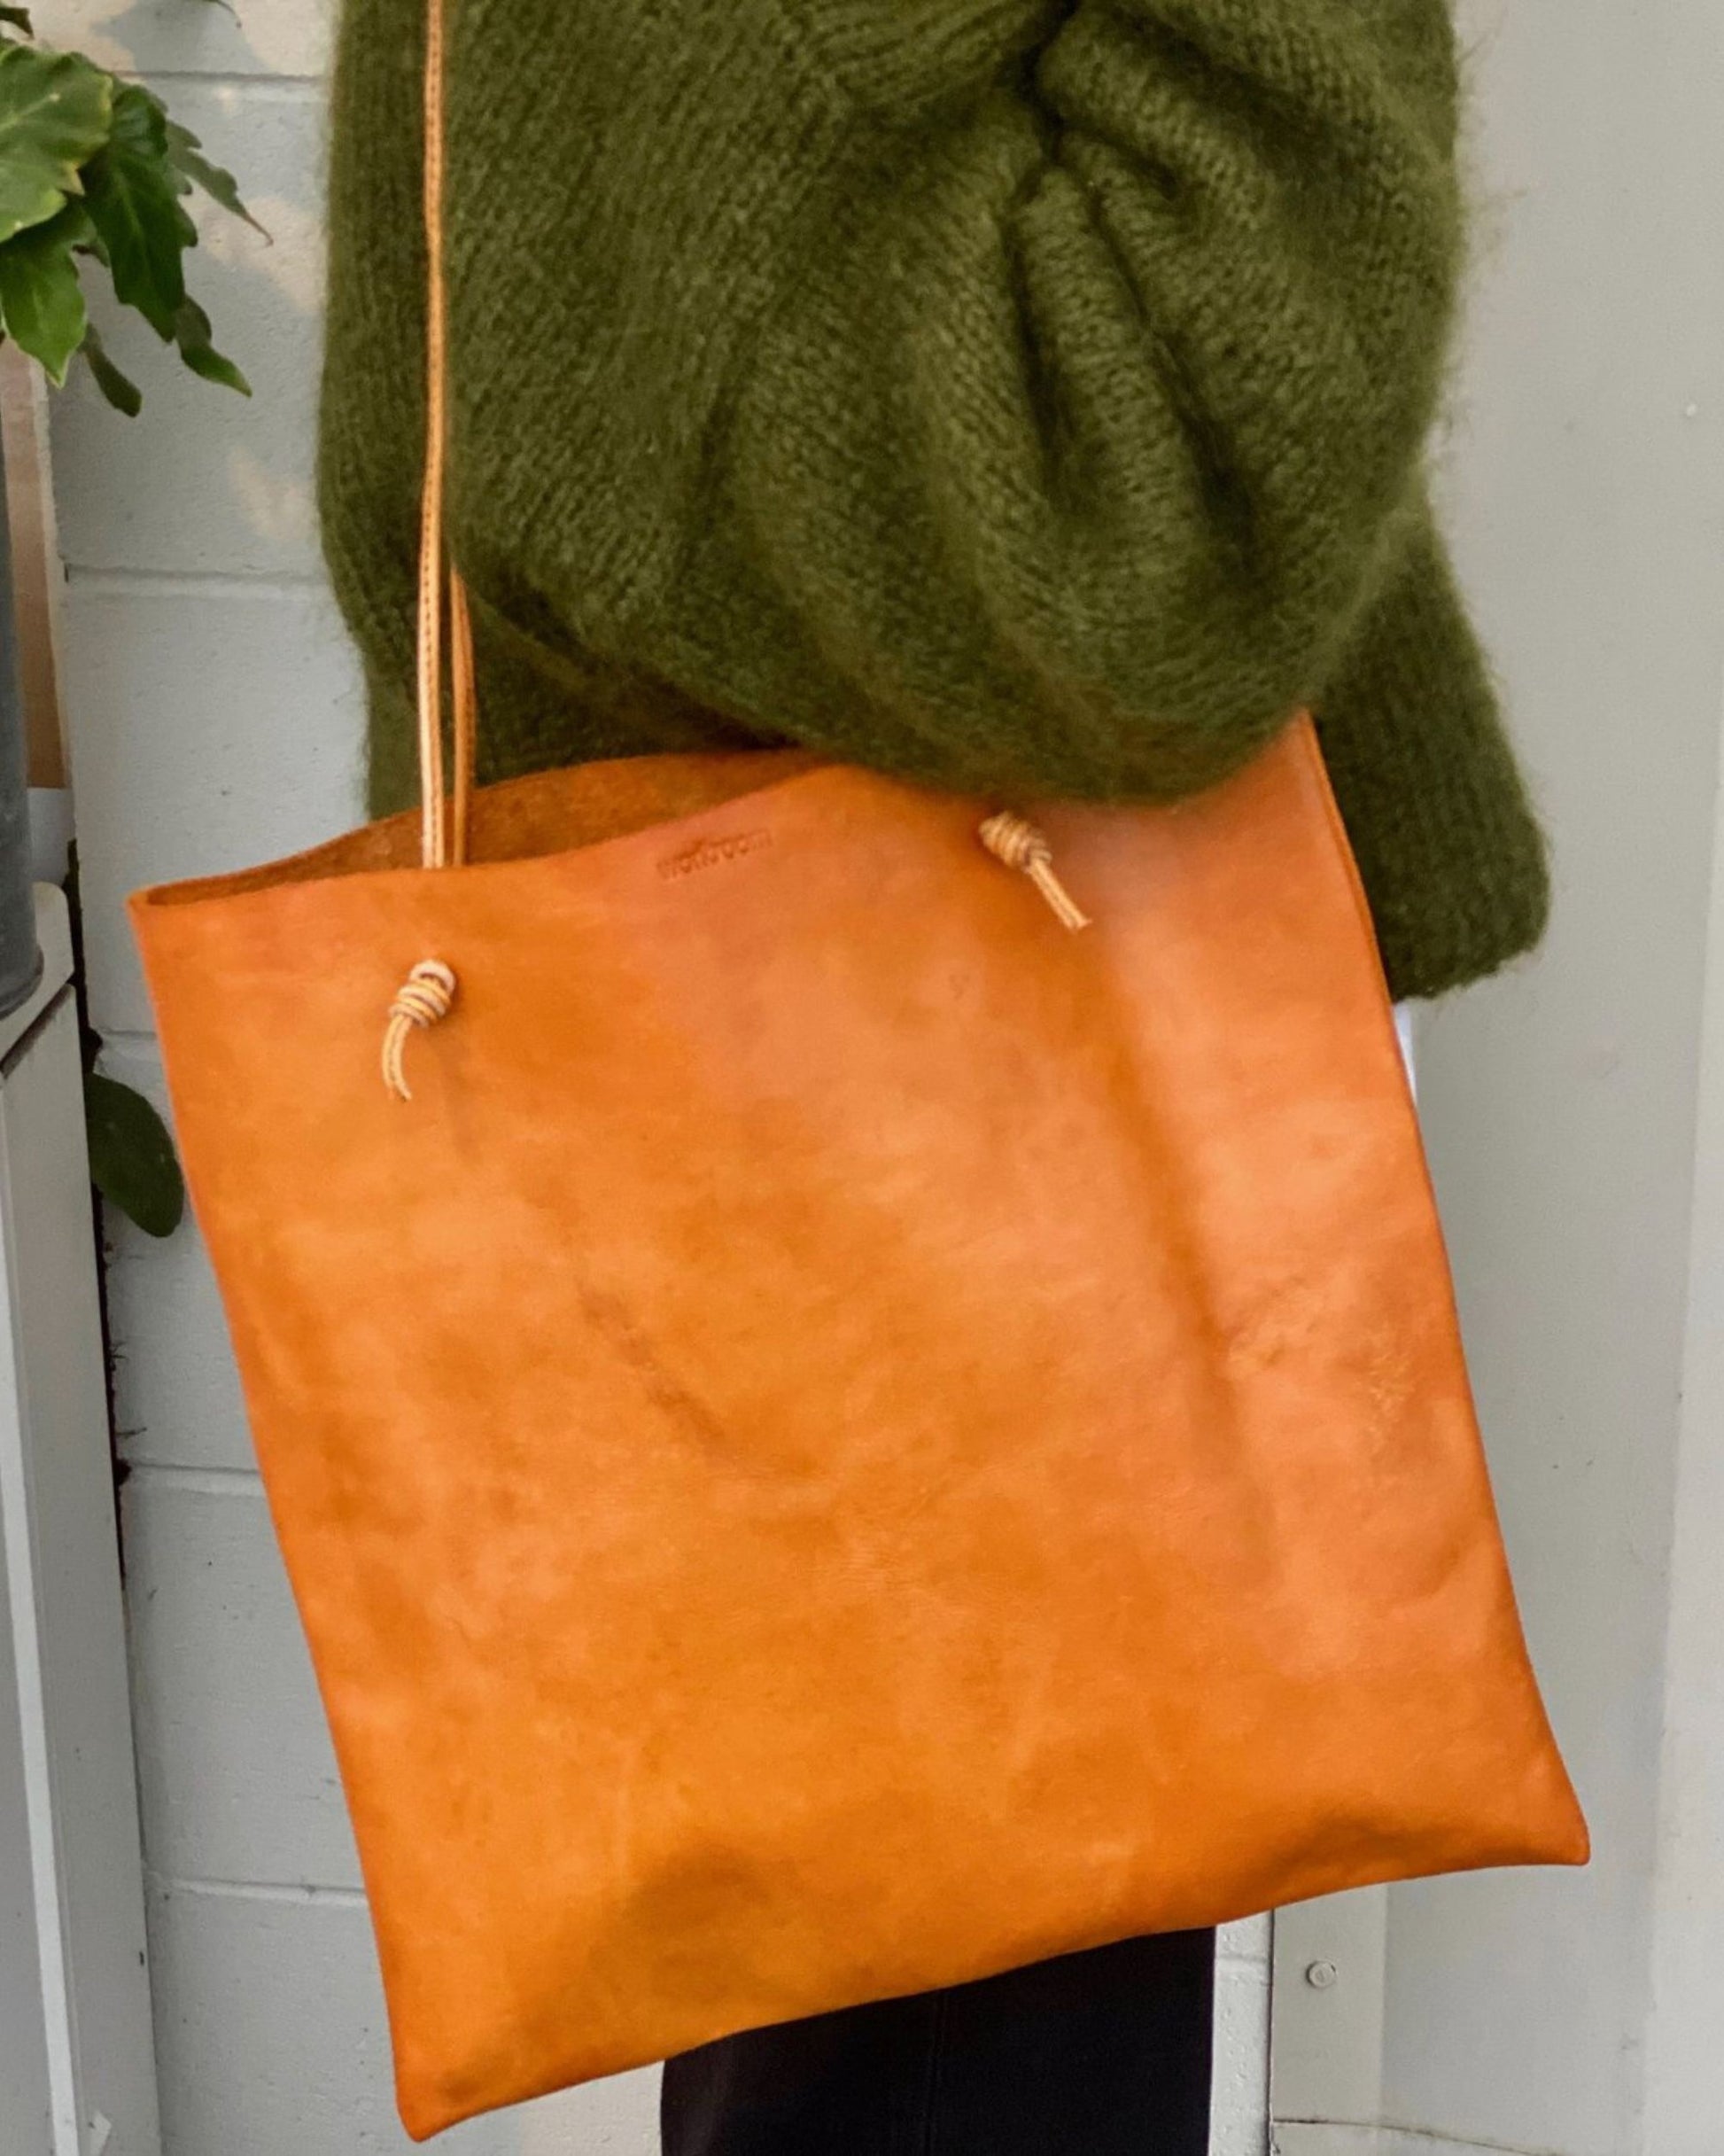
(1069, 453)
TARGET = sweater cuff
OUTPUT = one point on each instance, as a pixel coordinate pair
(1453, 860)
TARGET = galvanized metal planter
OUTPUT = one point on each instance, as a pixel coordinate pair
(20, 959)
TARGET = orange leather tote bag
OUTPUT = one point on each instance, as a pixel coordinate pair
(851, 1433)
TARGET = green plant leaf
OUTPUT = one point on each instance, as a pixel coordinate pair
(192, 333)
(186, 153)
(42, 302)
(120, 390)
(132, 1161)
(55, 114)
(18, 17)
(134, 196)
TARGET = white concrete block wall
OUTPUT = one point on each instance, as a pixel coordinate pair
(214, 715)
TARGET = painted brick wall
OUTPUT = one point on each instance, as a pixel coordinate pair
(213, 714)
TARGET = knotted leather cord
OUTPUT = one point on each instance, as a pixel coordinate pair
(1018, 843)
(428, 993)
(422, 998)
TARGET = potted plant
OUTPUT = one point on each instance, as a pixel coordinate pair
(93, 174)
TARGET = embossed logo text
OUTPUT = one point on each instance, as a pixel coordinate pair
(713, 853)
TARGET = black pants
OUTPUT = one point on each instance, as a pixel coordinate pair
(1099, 2054)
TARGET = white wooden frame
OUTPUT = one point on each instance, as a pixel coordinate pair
(77, 2068)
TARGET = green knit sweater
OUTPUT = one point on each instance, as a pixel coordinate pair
(1029, 397)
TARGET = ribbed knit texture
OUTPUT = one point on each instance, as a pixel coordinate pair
(1025, 396)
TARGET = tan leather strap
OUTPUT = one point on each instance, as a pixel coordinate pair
(442, 595)
(426, 997)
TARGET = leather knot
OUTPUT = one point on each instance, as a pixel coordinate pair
(423, 999)
(1018, 843)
